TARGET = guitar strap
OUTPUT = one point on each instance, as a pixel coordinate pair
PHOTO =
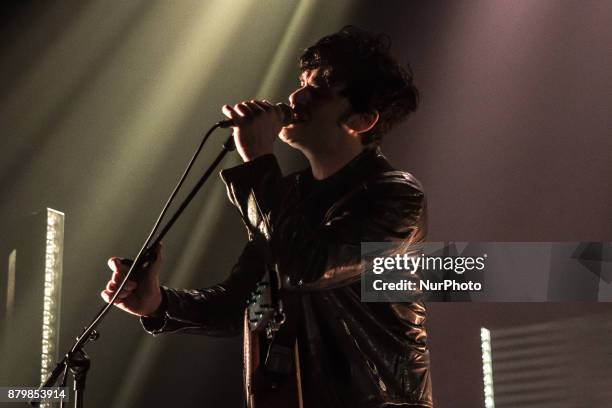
(277, 383)
(280, 359)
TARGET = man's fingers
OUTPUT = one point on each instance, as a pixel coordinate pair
(107, 297)
(130, 285)
(228, 111)
(231, 113)
(124, 294)
(257, 106)
(248, 111)
(263, 105)
(112, 285)
(119, 264)
(108, 294)
(116, 277)
(113, 263)
(267, 106)
(243, 111)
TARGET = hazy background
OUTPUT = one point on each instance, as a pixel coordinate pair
(102, 103)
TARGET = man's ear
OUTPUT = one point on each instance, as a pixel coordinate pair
(361, 122)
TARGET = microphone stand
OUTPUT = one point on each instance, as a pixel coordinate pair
(76, 360)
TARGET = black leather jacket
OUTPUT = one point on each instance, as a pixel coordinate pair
(352, 354)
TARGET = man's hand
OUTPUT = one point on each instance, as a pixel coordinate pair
(140, 298)
(257, 126)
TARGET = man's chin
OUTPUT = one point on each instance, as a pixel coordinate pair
(291, 135)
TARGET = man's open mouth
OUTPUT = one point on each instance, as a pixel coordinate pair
(298, 116)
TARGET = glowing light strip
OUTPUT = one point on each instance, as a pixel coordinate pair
(52, 292)
(10, 286)
(487, 367)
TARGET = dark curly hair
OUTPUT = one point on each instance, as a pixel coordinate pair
(360, 60)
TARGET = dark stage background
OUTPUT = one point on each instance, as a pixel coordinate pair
(103, 102)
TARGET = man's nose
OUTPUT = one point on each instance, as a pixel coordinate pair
(299, 96)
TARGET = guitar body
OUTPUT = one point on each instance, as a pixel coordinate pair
(272, 372)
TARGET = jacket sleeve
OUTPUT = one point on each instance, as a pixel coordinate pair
(214, 311)
(326, 256)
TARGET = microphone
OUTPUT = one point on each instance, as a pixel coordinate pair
(286, 111)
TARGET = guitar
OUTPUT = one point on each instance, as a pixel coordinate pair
(271, 355)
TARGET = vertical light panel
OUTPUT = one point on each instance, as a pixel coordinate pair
(54, 248)
(487, 367)
(10, 287)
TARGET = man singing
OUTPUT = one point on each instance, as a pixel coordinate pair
(332, 350)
